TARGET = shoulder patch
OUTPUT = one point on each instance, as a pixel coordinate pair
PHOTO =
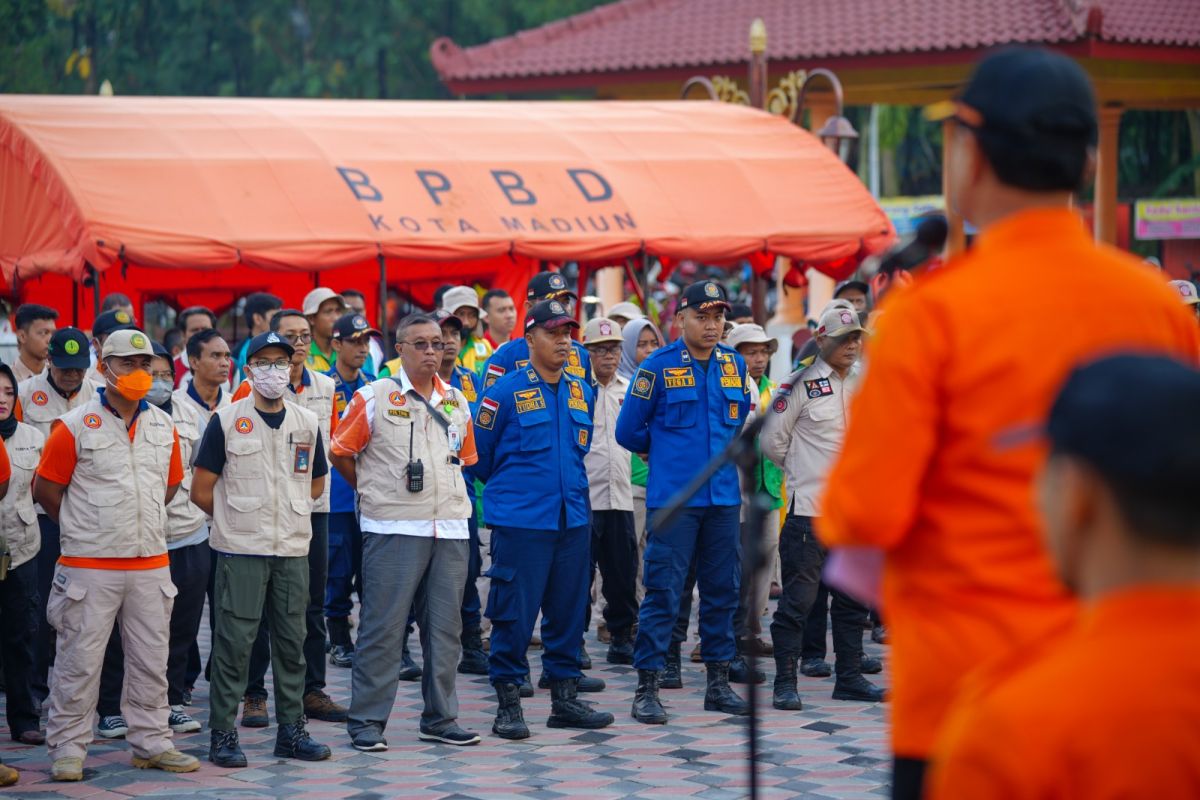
(486, 417)
(643, 384)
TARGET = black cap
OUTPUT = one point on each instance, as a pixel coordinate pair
(268, 339)
(740, 310)
(350, 325)
(547, 285)
(703, 295)
(163, 352)
(69, 349)
(443, 317)
(111, 321)
(549, 314)
(1133, 419)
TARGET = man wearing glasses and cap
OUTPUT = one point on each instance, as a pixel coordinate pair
(463, 302)
(533, 429)
(688, 400)
(514, 355)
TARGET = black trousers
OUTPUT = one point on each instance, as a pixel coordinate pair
(190, 567)
(314, 619)
(43, 645)
(19, 601)
(801, 558)
(908, 778)
(817, 626)
(614, 551)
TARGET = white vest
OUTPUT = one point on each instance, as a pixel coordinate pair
(262, 503)
(18, 518)
(317, 397)
(41, 405)
(183, 516)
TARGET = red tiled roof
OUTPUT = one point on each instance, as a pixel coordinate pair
(649, 35)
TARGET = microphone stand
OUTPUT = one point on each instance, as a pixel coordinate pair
(743, 452)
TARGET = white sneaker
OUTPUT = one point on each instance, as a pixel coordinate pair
(181, 722)
(112, 727)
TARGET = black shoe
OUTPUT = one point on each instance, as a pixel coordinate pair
(879, 634)
(587, 684)
(718, 696)
(474, 661)
(647, 708)
(341, 656)
(856, 687)
(785, 697)
(527, 686)
(568, 711)
(871, 665)
(585, 661)
(815, 668)
(224, 750)
(739, 672)
(620, 650)
(672, 674)
(409, 671)
(452, 734)
(510, 722)
(293, 741)
(369, 740)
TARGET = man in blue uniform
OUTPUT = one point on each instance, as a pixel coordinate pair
(351, 343)
(532, 430)
(514, 355)
(686, 402)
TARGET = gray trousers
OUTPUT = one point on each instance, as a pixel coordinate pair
(396, 571)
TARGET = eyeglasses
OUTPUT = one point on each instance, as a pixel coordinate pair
(424, 345)
(279, 364)
(163, 376)
(297, 338)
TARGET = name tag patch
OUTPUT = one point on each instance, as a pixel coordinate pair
(818, 388)
(678, 377)
(398, 412)
(529, 400)
(731, 383)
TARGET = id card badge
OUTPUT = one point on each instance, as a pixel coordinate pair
(303, 458)
(455, 437)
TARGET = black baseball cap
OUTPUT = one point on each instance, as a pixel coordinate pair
(1133, 419)
(549, 314)
(112, 321)
(265, 340)
(703, 295)
(739, 310)
(69, 349)
(547, 286)
(350, 325)
(443, 317)
(163, 352)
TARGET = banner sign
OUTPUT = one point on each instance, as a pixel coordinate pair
(1167, 219)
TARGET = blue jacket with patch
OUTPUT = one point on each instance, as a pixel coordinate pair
(531, 441)
(514, 355)
(683, 414)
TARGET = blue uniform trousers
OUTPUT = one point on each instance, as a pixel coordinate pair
(538, 570)
(345, 564)
(712, 533)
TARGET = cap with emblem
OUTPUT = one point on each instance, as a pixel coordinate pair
(601, 330)
(1187, 292)
(350, 325)
(69, 349)
(626, 311)
(548, 285)
(443, 317)
(460, 297)
(837, 322)
(268, 339)
(704, 295)
(549, 314)
(112, 321)
(314, 299)
(127, 343)
(749, 333)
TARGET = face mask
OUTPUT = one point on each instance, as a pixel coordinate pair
(269, 382)
(160, 392)
(133, 386)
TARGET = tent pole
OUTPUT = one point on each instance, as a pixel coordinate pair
(95, 290)
(645, 281)
(383, 296)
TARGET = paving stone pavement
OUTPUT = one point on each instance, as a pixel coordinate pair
(830, 750)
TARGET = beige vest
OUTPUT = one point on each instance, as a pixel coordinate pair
(181, 397)
(317, 397)
(41, 405)
(114, 506)
(262, 503)
(184, 517)
(18, 518)
(382, 465)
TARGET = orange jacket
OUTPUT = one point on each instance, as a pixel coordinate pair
(1068, 720)
(964, 361)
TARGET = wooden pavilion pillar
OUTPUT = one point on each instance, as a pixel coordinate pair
(1104, 210)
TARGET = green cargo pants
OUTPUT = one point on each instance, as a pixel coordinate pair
(244, 587)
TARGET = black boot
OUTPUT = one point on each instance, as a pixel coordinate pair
(293, 741)
(409, 670)
(718, 696)
(224, 750)
(586, 684)
(672, 676)
(739, 671)
(568, 711)
(850, 683)
(510, 722)
(647, 708)
(785, 697)
(341, 650)
(620, 650)
(474, 661)
(585, 661)
(527, 686)
(871, 665)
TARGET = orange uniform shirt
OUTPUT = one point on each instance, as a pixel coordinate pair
(964, 361)
(1069, 719)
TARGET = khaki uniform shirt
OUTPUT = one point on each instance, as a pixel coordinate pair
(610, 477)
(18, 518)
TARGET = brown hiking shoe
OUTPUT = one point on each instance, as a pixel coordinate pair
(254, 712)
(8, 775)
(318, 705)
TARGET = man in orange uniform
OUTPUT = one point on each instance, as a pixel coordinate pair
(1120, 497)
(963, 359)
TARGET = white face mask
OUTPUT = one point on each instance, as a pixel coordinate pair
(271, 383)
(160, 392)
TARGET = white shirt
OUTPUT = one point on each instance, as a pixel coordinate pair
(610, 481)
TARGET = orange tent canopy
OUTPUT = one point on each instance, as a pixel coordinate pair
(211, 183)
